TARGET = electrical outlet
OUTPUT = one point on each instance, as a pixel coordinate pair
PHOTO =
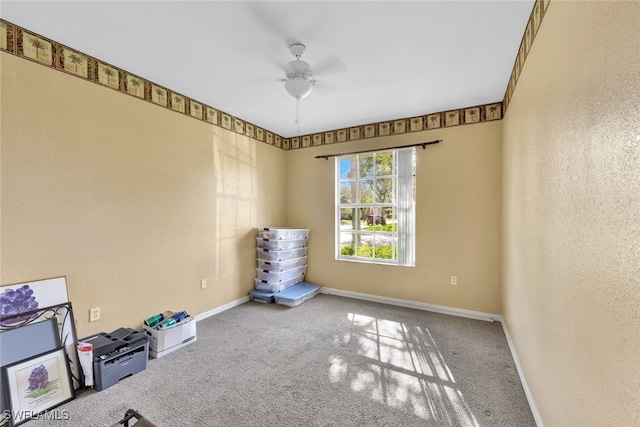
(94, 314)
(203, 283)
(454, 280)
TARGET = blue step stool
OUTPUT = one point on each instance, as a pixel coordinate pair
(258, 295)
(297, 294)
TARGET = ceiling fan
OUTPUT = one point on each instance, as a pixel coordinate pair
(300, 80)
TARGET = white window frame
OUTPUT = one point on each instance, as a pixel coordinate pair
(403, 205)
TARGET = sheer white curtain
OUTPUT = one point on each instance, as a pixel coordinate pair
(406, 206)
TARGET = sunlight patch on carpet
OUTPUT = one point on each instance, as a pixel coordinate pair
(400, 366)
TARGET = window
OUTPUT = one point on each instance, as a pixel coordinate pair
(375, 215)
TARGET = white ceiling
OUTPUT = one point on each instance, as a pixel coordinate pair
(398, 58)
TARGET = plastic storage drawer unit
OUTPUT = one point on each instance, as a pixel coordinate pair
(263, 285)
(296, 295)
(282, 265)
(275, 277)
(271, 255)
(265, 297)
(281, 245)
(283, 233)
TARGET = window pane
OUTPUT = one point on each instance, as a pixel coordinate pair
(346, 216)
(365, 246)
(366, 191)
(366, 165)
(347, 193)
(348, 167)
(384, 163)
(383, 190)
(353, 218)
(347, 243)
(386, 246)
(363, 214)
(375, 218)
(389, 214)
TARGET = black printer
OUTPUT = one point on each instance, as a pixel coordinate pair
(117, 355)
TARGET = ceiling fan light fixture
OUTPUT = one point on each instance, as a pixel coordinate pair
(298, 87)
(297, 68)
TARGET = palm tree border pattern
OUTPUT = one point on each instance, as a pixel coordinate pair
(17, 37)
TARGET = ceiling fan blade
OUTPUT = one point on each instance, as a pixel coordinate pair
(275, 59)
(267, 17)
(329, 67)
(265, 79)
(323, 89)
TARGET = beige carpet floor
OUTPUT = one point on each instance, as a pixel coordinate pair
(332, 361)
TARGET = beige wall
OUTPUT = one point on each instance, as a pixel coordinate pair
(538, 215)
(458, 219)
(133, 203)
(572, 215)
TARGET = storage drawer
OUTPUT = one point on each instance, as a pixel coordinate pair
(296, 295)
(273, 287)
(283, 233)
(275, 277)
(281, 245)
(273, 255)
(265, 297)
(279, 266)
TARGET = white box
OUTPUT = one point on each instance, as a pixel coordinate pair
(283, 233)
(263, 285)
(271, 255)
(279, 266)
(164, 341)
(276, 277)
(281, 245)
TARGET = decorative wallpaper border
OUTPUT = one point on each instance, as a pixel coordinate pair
(39, 49)
(42, 50)
(533, 25)
(462, 116)
(444, 119)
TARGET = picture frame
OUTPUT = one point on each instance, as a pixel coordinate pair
(28, 341)
(29, 296)
(37, 385)
(30, 302)
(25, 342)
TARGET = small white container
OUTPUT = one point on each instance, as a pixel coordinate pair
(165, 341)
(281, 245)
(276, 277)
(271, 255)
(278, 266)
(278, 233)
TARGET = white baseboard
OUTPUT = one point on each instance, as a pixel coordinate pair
(222, 308)
(523, 380)
(478, 315)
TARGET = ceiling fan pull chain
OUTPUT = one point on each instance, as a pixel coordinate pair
(298, 114)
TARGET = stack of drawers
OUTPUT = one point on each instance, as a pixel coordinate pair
(282, 261)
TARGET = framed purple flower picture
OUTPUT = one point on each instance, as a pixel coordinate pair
(26, 303)
(36, 385)
(29, 296)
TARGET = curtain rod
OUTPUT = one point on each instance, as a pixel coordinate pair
(423, 144)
